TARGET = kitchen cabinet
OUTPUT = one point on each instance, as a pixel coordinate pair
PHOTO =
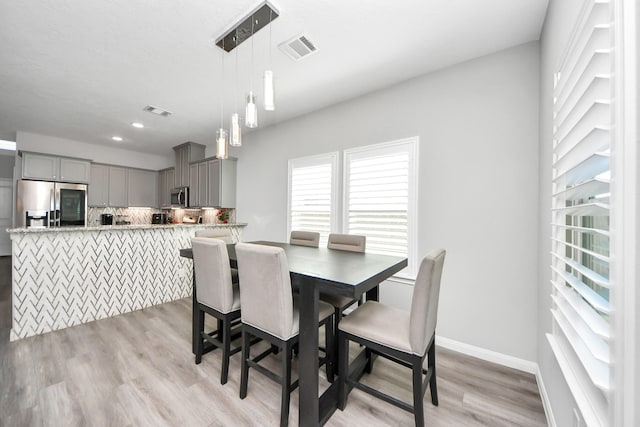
(118, 187)
(55, 168)
(98, 192)
(203, 175)
(166, 183)
(185, 154)
(142, 188)
(194, 187)
(221, 183)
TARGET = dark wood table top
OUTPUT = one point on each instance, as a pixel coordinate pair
(339, 272)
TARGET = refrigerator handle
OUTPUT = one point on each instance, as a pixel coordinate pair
(52, 208)
(56, 199)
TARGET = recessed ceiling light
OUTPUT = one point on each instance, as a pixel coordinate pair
(137, 125)
(117, 138)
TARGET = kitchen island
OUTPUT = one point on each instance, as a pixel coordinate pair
(66, 276)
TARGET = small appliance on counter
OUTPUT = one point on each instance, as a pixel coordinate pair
(158, 218)
(106, 219)
(122, 220)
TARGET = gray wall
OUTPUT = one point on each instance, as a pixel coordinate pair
(6, 164)
(478, 186)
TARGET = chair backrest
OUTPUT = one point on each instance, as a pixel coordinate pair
(347, 242)
(265, 289)
(213, 273)
(217, 233)
(305, 238)
(424, 303)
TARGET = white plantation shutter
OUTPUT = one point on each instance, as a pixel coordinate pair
(312, 194)
(379, 198)
(580, 213)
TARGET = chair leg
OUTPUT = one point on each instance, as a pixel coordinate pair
(432, 367)
(418, 407)
(369, 366)
(226, 349)
(286, 384)
(244, 377)
(343, 356)
(330, 339)
(200, 330)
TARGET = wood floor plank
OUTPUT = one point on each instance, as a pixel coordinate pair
(137, 369)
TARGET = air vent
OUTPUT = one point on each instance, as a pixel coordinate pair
(156, 110)
(298, 47)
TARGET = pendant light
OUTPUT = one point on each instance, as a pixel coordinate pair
(235, 139)
(269, 88)
(251, 113)
(222, 151)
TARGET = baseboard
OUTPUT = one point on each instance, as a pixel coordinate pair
(504, 360)
(488, 355)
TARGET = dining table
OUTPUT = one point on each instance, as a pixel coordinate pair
(328, 271)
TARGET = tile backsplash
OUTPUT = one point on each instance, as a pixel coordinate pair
(141, 216)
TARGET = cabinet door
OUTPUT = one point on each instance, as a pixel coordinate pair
(228, 183)
(37, 166)
(77, 171)
(141, 188)
(118, 187)
(98, 186)
(203, 176)
(194, 195)
(213, 190)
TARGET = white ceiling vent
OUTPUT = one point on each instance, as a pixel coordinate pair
(298, 47)
(156, 110)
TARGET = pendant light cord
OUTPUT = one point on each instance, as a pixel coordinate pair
(253, 20)
(222, 90)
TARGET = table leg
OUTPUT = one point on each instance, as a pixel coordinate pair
(308, 360)
(194, 305)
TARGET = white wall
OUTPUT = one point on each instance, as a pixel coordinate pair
(98, 153)
(478, 184)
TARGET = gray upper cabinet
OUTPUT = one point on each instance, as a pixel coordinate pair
(221, 191)
(142, 190)
(54, 168)
(194, 194)
(118, 187)
(99, 186)
(185, 154)
(165, 185)
(203, 175)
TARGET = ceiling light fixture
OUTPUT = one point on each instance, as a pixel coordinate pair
(251, 112)
(137, 125)
(117, 138)
(235, 139)
(156, 110)
(222, 151)
(269, 88)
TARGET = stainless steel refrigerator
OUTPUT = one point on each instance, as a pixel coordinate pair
(50, 204)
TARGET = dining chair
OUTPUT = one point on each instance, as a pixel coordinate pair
(223, 234)
(304, 238)
(217, 296)
(404, 337)
(271, 313)
(351, 243)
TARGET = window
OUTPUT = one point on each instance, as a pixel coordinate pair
(580, 338)
(379, 197)
(313, 194)
(380, 200)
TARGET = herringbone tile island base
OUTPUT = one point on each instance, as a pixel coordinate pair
(137, 369)
(65, 278)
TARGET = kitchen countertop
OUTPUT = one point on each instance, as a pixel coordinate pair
(116, 227)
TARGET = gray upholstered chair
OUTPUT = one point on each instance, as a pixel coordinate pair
(347, 242)
(305, 238)
(223, 234)
(403, 337)
(270, 312)
(215, 295)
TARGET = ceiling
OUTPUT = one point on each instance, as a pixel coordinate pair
(84, 69)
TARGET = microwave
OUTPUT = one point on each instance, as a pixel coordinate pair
(180, 197)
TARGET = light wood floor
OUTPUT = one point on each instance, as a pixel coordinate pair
(137, 370)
